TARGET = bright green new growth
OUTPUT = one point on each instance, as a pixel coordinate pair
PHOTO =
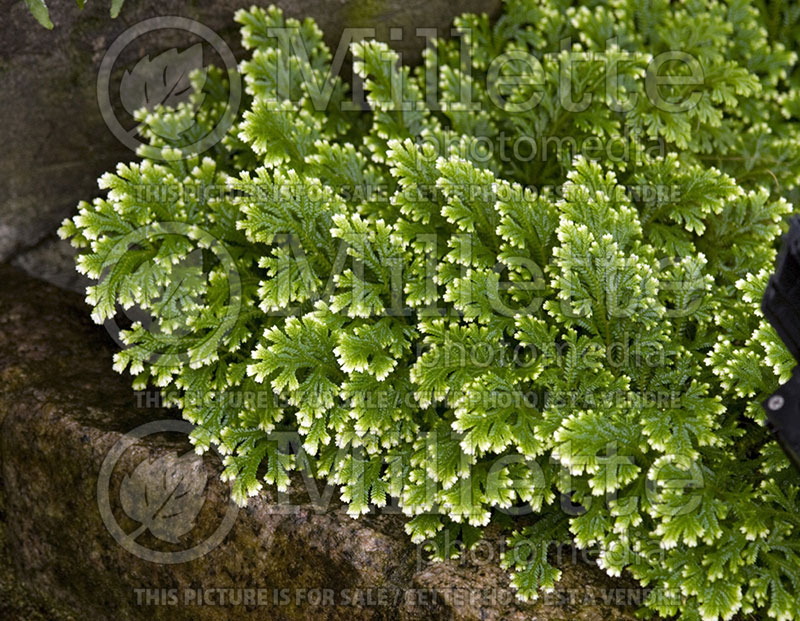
(470, 332)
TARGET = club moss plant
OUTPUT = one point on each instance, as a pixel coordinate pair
(519, 282)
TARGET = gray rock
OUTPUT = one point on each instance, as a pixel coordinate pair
(62, 409)
(55, 142)
(53, 260)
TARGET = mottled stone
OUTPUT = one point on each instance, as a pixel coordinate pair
(62, 409)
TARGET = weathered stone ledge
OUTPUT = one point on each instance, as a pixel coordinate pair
(62, 409)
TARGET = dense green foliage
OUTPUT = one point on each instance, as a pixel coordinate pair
(448, 321)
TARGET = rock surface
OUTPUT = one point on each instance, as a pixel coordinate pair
(55, 141)
(63, 409)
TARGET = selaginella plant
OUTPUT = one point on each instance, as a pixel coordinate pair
(521, 283)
